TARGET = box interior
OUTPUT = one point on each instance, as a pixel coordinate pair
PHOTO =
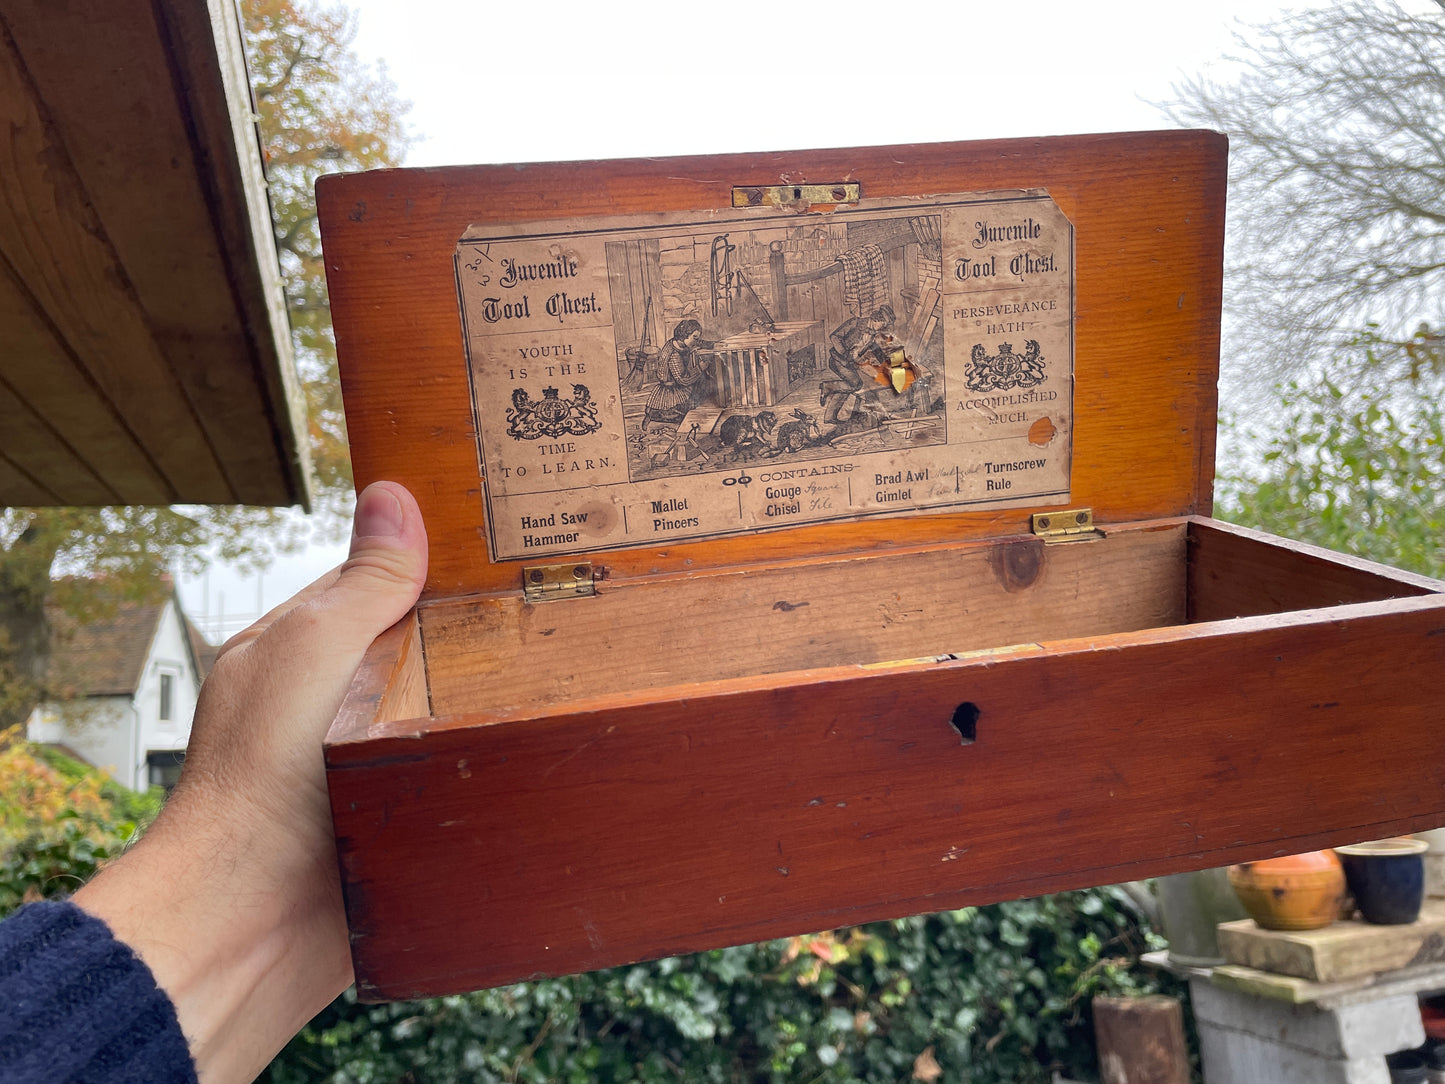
(497, 653)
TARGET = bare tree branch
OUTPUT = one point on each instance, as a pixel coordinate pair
(1336, 119)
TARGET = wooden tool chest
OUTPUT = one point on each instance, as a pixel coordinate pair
(890, 587)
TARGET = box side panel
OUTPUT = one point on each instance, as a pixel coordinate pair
(390, 683)
(484, 855)
(709, 626)
(1237, 572)
(1148, 213)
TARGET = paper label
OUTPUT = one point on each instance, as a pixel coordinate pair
(667, 378)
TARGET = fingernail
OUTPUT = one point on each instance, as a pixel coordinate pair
(378, 514)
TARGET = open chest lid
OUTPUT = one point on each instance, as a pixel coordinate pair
(683, 363)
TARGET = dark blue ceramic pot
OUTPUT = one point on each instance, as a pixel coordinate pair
(1387, 879)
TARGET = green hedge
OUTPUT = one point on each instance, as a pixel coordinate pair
(998, 993)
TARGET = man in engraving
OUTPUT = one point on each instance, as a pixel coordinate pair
(857, 354)
(682, 369)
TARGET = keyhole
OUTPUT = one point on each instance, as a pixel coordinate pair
(965, 721)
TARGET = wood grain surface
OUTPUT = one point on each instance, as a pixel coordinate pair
(390, 684)
(1141, 1039)
(507, 843)
(809, 613)
(1341, 951)
(1237, 572)
(1148, 212)
(799, 730)
(146, 351)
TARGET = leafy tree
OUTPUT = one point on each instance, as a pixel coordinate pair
(116, 555)
(1356, 462)
(1337, 183)
(58, 821)
(320, 110)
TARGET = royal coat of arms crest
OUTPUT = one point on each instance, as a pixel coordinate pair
(552, 416)
(1004, 370)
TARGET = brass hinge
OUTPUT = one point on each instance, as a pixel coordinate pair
(1071, 525)
(793, 195)
(549, 583)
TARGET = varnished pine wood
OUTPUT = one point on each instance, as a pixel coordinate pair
(390, 684)
(758, 619)
(1237, 572)
(520, 842)
(725, 746)
(1148, 212)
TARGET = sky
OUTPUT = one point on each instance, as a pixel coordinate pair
(496, 83)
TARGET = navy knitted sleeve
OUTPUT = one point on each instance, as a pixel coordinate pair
(76, 1005)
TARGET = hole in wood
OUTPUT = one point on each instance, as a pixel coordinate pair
(965, 721)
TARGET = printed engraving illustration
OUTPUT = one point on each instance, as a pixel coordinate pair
(779, 342)
(691, 375)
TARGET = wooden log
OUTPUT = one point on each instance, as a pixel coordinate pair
(1141, 1040)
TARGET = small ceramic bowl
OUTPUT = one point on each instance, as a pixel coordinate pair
(1387, 878)
(1296, 892)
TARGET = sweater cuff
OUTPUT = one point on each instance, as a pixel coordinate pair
(80, 1005)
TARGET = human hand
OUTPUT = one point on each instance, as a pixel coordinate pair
(233, 897)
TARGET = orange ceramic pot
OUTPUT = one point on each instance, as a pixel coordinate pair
(1297, 892)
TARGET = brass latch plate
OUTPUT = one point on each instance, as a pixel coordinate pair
(1070, 525)
(792, 195)
(549, 583)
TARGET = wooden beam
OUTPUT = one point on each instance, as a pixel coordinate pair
(21, 488)
(53, 240)
(38, 451)
(207, 55)
(41, 373)
(143, 112)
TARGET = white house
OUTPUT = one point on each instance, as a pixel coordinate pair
(133, 680)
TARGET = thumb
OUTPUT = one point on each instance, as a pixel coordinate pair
(385, 571)
(277, 687)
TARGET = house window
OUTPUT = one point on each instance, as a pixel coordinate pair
(167, 681)
(164, 768)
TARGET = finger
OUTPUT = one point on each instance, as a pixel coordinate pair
(287, 681)
(380, 580)
(261, 624)
(388, 558)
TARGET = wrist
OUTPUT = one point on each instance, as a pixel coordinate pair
(247, 945)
